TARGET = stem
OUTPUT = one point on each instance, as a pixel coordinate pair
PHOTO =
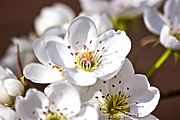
(158, 64)
(19, 63)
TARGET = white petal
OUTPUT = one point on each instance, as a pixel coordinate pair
(3, 73)
(171, 9)
(40, 48)
(4, 97)
(102, 21)
(121, 82)
(123, 79)
(168, 40)
(149, 117)
(86, 92)
(39, 73)
(13, 86)
(153, 3)
(116, 47)
(25, 44)
(32, 106)
(95, 6)
(87, 113)
(146, 96)
(81, 30)
(60, 54)
(65, 97)
(154, 21)
(9, 60)
(11, 74)
(57, 31)
(7, 113)
(80, 78)
(56, 15)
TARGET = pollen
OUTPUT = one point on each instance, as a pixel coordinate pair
(87, 60)
(115, 106)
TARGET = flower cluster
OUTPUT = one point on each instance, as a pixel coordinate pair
(82, 62)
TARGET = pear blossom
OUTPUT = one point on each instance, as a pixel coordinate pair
(102, 21)
(10, 87)
(7, 113)
(118, 8)
(127, 96)
(26, 53)
(48, 71)
(81, 54)
(61, 101)
(167, 25)
(54, 20)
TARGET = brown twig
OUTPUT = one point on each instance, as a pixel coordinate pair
(19, 63)
(171, 94)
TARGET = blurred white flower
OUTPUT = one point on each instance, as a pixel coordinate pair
(26, 53)
(127, 96)
(102, 21)
(82, 54)
(118, 8)
(10, 87)
(167, 25)
(60, 102)
(54, 20)
(7, 113)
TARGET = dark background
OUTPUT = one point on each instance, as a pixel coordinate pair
(16, 19)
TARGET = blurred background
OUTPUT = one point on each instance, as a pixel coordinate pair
(17, 19)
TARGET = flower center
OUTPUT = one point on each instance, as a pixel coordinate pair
(55, 116)
(176, 33)
(115, 106)
(87, 60)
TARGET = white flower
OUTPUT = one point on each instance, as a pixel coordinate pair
(60, 102)
(167, 25)
(118, 8)
(26, 53)
(82, 54)
(7, 113)
(102, 21)
(54, 20)
(127, 96)
(10, 87)
(48, 71)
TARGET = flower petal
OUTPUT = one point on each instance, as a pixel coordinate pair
(81, 30)
(102, 21)
(56, 15)
(60, 54)
(95, 6)
(154, 21)
(146, 96)
(87, 113)
(149, 117)
(171, 11)
(63, 96)
(114, 47)
(39, 73)
(25, 44)
(7, 113)
(40, 48)
(4, 97)
(80, 78)
(13, 86)
(3, 73)
(121, 81)
(32, 106)
(56, 31)
(168, 40)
